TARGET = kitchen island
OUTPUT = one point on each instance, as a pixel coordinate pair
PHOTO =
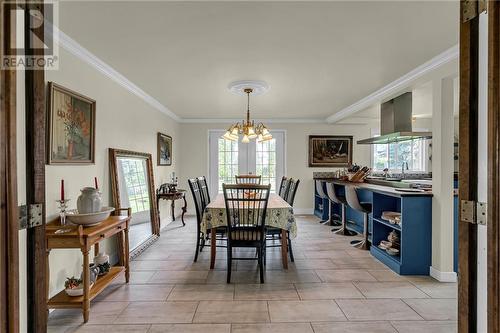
(414, 232)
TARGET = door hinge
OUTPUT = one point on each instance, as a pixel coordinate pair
(472, 8)
(474, 212)
(32, 217)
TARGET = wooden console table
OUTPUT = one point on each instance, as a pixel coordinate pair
(178, 195)
(83, 238)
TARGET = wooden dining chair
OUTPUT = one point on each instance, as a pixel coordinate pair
(202, 235)
(248, 179)
(246, 206)
(293, 185)
(273, 232)
(205, 195)
(284, 185)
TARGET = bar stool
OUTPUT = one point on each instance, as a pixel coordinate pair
(364, 207)
(342, 201)
(323, 196)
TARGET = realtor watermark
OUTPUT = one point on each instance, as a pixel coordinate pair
(34, 39)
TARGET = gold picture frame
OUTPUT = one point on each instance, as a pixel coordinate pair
(71, 121)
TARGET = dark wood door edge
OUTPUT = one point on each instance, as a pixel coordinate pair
(467, 233)
(35, 182)
(493, 259)
(9, 229)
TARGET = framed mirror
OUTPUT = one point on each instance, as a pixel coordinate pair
(132, 185)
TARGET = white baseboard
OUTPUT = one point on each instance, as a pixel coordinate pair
(443, 276)
(303, 211)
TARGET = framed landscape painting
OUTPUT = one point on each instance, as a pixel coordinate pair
(71, 120)
(164, 149)
(330, 151)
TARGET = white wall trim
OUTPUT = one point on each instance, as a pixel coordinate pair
(266, 121)
(85, 55)
(397, 85)
(443, 276)
(303, 211)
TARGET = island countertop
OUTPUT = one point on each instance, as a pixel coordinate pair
(380, 189)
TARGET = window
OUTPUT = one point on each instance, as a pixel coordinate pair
(265, 162)
(228, 162)
(134, 174)
(229, 158)
(392, 156)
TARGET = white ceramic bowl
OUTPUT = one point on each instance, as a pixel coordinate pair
(89, 219)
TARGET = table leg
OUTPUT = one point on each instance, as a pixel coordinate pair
(86, 285)
(284, 248)
(127, 256)
(213, 243)
(96, 249)
(184, 209)
(173, 210)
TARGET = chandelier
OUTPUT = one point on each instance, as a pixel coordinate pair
(247, 128)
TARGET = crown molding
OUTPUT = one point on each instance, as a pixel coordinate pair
(85, 55)
(257, 120)
(88, 57)
(403, 82)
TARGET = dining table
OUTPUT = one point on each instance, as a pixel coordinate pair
(279, 214)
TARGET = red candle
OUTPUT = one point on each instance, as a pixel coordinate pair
(96, 185)
(62, 189)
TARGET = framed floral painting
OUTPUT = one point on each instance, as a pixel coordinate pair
(71, 120)
(164, 149)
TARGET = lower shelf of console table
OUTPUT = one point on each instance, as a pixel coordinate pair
(84, 238)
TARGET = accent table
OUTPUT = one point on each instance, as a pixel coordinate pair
(83, 238)
(177, 195)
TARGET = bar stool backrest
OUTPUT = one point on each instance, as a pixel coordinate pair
(319, 189)
(330, 191)
(351, 195)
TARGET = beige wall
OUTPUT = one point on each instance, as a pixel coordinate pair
(194, 156)
(122, 121)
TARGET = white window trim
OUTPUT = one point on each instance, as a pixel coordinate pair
(219, 132)
(375, 132)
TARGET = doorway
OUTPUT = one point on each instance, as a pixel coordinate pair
(230, 158)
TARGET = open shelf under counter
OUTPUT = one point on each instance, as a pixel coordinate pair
(415, 232)
(387, 223)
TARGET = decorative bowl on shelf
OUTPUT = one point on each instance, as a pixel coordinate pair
(392, 251)
(77, 291)
(392, 217)
(89, 219)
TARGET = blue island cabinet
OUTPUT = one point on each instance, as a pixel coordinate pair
(415, 232)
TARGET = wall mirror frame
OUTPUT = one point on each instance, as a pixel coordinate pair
(143, 181)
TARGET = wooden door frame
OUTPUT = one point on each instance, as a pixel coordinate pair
(37, 256)
(468, 177)
(9, 225)
(493, 231)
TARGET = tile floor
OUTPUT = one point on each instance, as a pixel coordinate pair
(331, 287)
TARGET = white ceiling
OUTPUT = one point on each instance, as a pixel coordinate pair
(318, 57)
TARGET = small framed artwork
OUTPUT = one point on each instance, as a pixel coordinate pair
(330, 151)
(71, 120)
(164, 149)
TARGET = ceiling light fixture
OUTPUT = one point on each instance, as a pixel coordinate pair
(247, 127)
